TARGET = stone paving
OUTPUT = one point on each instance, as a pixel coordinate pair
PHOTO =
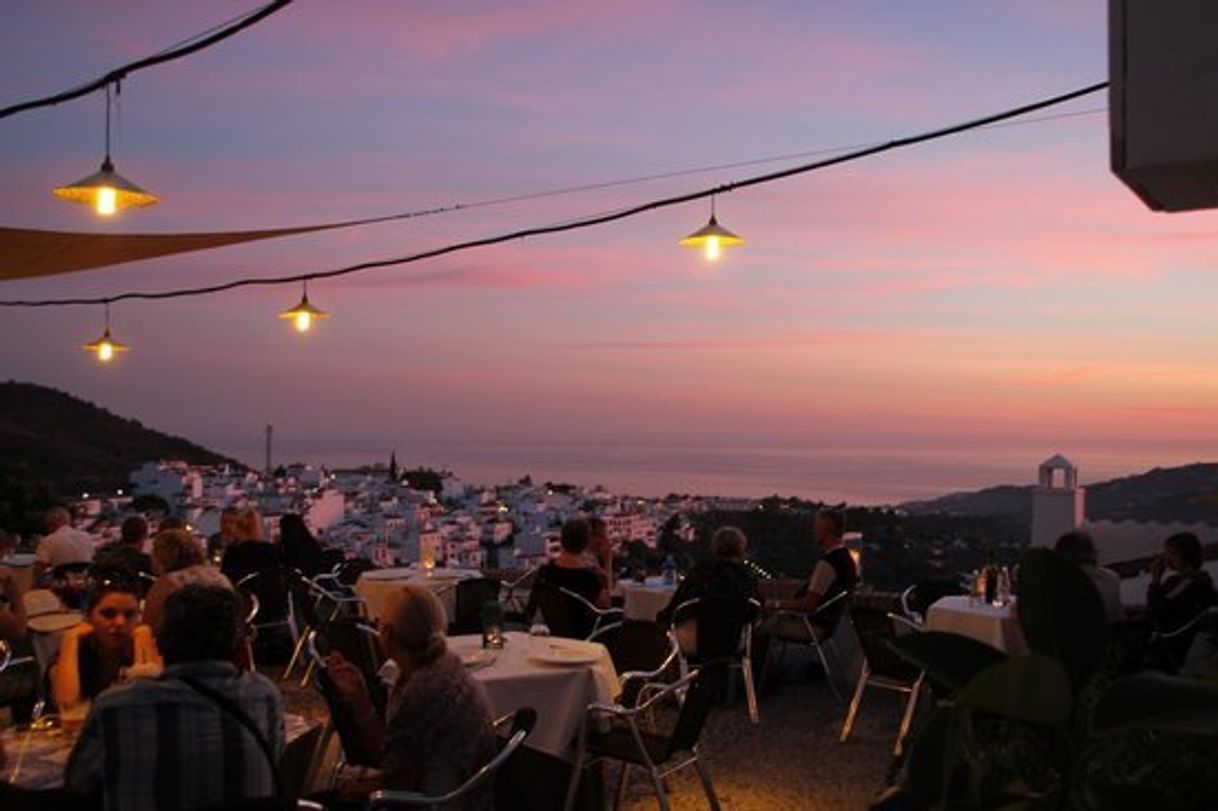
(791, 760)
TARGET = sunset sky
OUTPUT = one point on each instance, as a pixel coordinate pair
(931, 319)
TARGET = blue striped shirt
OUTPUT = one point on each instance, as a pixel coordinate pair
(158, 744)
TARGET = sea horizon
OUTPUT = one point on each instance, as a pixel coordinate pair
(864, 476)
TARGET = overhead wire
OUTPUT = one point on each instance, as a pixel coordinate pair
(583, 222)
(194, 44)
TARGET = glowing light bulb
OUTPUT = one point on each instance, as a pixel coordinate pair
(107, 201)
(303, 321)
(712, 248)
(105, 351)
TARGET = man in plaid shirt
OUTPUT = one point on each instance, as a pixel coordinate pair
(165, 744)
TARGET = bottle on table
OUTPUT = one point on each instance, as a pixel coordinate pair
(991, 579)
(492, 625)
(669, 571)
(1004, 586)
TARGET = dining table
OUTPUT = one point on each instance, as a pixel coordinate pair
(995, 625)
(375, 585)
(557, 677)
(20, 567)
(645, 600)
(37, 757)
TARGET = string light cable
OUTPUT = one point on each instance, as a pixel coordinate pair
(212, 36)
(988, 121)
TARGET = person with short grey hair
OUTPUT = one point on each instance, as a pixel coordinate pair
(726, 576)
(62, 544)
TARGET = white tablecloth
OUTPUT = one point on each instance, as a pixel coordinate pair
(559, 693)
(20, 567)
(995, 626)
(642, 601)
(374, 586)
(36, 760)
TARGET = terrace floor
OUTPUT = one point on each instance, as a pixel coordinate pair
(791, 760)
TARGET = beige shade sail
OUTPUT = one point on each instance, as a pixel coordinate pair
(27, 253)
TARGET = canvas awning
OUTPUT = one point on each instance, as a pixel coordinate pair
(27, 253)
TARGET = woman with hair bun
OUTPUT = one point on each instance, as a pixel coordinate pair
(438, 729)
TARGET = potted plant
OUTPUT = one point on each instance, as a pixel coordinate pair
(1057, 727)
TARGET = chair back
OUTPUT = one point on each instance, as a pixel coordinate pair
(695, 709)
(297, 760)
(343, 716)
(721, 621)
(349, 570)
(564, 614)
(875, 628)
(918, 598)
(510, 779)
(471, 595)
(270, 586)
(635, 645)
(304, 601)
(642, 652)
(522, 725)
(359, 644)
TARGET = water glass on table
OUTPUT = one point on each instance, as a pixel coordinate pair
(72, 715)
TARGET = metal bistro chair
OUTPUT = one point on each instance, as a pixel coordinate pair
(315, 602)
(343, 722)
(882, 667)
(812, 635)
(658, 754)
(513, 606)
(245, 651)
(471, 595)
(724, 632)
(567, 614)
(1169, 647)
(522, 725)
(642, 652)
(275, 607)
(918, 598)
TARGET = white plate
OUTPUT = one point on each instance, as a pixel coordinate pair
(478, 658)
(557, 652)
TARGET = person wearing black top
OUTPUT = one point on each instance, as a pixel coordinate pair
(569, 570)
(301, 551)
(833, 574)
(128, 552)
(1174, 600)
(727, 576)
(253, 556)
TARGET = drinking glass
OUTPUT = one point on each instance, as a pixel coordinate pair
(72, 715)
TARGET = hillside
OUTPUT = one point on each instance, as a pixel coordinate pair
(47, 435)
(1188, 493)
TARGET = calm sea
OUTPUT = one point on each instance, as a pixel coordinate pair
(863, 476)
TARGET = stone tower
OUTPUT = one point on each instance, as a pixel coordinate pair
(1058, 503)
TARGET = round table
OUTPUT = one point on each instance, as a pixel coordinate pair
(559, 693)
(374, 586)
(36, 759)
(996, 626)
(20, 567)
(643, 601)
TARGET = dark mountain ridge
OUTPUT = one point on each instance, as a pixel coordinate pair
(1188, 493)
(47, 435)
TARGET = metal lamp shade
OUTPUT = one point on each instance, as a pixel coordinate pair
(88, 190)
